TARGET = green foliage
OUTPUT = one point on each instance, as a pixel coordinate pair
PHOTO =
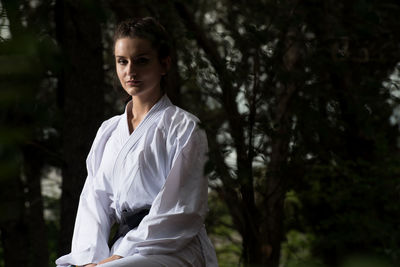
(297, 249)
(53, 230)
(343, 156)
(1, 256)
(365, 261)
(225, 238)
(27, 59)
(352, 208)
(345, 152)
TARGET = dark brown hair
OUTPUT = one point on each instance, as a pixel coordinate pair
(147, 28)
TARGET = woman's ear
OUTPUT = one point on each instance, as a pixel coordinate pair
(166, 63)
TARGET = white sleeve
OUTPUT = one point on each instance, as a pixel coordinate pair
(93, 219)
(178, 211)
(92, 226)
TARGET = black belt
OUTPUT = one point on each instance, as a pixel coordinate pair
(129, 221)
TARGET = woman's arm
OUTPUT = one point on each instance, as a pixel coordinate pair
(93, 220)
(112, 258)
(177, 213)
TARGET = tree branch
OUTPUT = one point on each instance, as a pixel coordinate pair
(225, 77)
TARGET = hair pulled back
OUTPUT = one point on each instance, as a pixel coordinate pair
(146, 28)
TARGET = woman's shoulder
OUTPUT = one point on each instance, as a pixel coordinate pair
(175, 114)
(108, 125)
(181, 126)
(176, 118)
(102, 135)
(110, 121)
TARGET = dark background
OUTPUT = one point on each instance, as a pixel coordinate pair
(299, 99)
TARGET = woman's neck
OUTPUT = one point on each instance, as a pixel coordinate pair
(140, 106)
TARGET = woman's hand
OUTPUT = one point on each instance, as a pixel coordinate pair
(112, 258)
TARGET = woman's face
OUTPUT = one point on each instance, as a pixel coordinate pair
(138, 67)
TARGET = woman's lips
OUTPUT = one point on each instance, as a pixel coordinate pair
(133, 82)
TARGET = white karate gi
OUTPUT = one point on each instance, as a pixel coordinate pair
(159, 165)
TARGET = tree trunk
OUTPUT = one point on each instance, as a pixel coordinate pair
(246, 215)
(37, 227)
(14, 204)
(276, 179)
(14, 237)
(14, 231)
(81, 85)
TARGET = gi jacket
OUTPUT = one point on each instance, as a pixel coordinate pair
(160, 165)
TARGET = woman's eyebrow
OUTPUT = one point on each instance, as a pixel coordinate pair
(135, 56)
(142, 54)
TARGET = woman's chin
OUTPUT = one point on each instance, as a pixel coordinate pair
(133, 90)
(141, 91)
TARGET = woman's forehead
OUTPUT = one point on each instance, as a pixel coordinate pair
(133, 47)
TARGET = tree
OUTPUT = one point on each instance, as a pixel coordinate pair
(81, 87)
(263, 92)
(285, 84)
(23, 71)
(344, 137)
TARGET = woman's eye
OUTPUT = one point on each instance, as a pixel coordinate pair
(141, 61)
(122, 61)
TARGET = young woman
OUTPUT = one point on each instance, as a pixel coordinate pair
(145, 169)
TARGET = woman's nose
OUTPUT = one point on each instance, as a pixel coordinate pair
(132, 69)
